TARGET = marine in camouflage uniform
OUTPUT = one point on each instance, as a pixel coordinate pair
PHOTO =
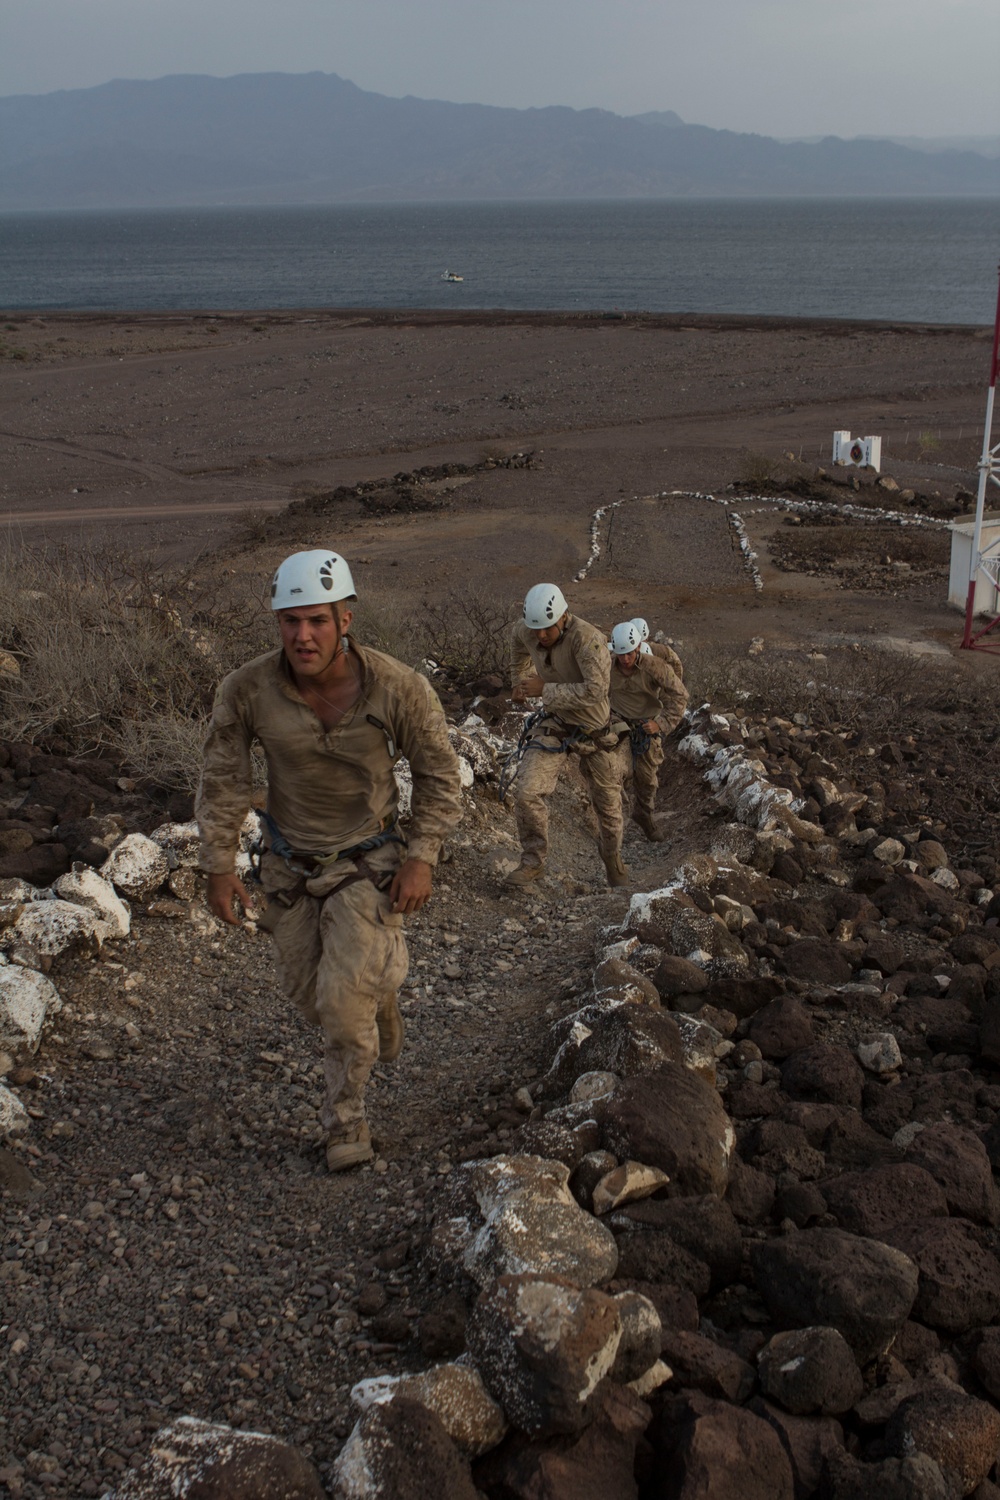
(337, 876)
(648, 696)
(566, 664)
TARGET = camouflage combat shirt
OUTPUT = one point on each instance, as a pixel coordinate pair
(327, 789)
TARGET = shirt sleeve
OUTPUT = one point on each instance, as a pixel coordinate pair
(226, 787)
(594, 662)
(436, 805)
(672, 694)
(521, 664)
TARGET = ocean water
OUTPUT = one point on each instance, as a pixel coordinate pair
(910, 260)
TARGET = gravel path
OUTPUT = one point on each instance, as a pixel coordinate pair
(183, 1249)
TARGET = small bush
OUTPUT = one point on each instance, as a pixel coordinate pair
(756, 470)
(116, 658)
(468, 633)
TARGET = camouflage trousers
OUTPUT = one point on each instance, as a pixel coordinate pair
(340, 956)
(645, 775)
(537, 777)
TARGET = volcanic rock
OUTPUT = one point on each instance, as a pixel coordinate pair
(398, 1451)
(543, 1349)
(959, 1280)
(599, 1464)
(810, 1370)
(957, 1159)
(961, 1433)
(729, 1454)
(873, 1202)
(207, 1461)
(781, 1028)
(703, 1364)
(705, 1227)
(824, 1071)
(825, 1276)
(674, 1120)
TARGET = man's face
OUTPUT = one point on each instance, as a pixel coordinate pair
(310, 636)
(550, 634)
(627, 662)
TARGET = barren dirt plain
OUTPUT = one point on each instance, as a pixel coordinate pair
(164, 431)
(180, 1246)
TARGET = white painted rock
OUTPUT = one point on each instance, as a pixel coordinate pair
(946, 878)
(880, 1054)
(180, 842)
(84, 887)
(658, 1374)
(543, 1350)
(13, 891)
(627, 1184)
(136, 867)
(208, 1461)
(50, 927)
(590, 1086)
(641, 1335)
(14, 1119)
(528, 1178)
(547, 1239)
(466, 775)
(26, 998)
(454, 1393)
(701, 1043)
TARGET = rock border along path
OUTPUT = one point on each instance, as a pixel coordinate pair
(853, 1290)
(763, 505)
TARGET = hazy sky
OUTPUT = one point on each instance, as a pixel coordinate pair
(779, 67)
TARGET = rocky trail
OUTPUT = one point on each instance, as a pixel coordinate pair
(680, 1191)
(174, 1242)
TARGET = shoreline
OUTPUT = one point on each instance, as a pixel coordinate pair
(495, 317)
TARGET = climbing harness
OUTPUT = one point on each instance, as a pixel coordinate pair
(640, 739)
(572, 737)
(280, 846)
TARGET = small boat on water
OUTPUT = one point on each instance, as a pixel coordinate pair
(451, 276)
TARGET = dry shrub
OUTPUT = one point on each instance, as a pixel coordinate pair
(117, 658)
(756, 470)
(467, 633)
(859, 687)
(386, 622)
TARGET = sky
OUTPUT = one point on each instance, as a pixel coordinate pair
(776, 67)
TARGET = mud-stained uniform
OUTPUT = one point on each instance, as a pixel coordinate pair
(653, 691)
(339, 947)
(577, 712)
(665, 653)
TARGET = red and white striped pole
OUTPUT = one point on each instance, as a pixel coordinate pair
(988, 468)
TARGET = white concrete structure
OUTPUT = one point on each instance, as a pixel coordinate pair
(864, 453)
(987, 598)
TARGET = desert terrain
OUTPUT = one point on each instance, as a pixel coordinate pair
(175, 1244)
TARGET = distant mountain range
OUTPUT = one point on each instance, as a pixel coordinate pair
(277, 138)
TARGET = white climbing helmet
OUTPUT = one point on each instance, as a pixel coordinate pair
(642, 628)
(625, 638)
(544, 606)
(319, 577)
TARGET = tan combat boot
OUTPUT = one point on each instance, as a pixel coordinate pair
(647, 823)
(391, 1030)
(350, 1150)
(524, 875)
(618, 874)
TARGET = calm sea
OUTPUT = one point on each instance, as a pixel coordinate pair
(911, 260)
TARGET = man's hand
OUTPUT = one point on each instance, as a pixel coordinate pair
(528, 687)
(651, 726)
(225, 896)
(411, 886)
